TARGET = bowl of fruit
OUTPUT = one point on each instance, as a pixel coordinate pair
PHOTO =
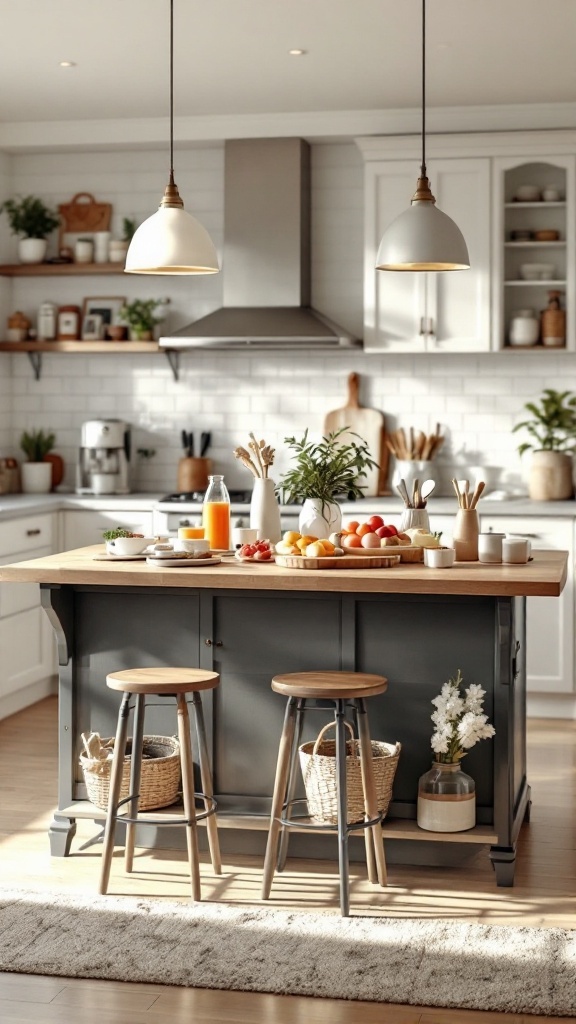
(365, 538)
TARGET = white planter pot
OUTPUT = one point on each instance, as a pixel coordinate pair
(550, 476)
(32, 250)
(265, 511)
(317, 522)
(36, 477)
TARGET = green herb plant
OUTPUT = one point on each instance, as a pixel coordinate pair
(553, 423)
(129, 226)
(328, 469)
(36, 444)
(140, 315)
(115, 534)
(30, 217)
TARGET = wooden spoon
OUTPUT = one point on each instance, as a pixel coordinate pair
(477, 492)
(401, 488)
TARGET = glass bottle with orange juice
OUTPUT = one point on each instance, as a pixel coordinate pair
(216, 514)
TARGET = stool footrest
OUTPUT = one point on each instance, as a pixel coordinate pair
(163, 821)
(298, 821)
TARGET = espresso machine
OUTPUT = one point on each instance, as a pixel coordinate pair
(103, 465)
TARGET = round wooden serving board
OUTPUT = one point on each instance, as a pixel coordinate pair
(337, 562)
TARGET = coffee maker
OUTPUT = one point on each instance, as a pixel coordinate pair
(104, 457)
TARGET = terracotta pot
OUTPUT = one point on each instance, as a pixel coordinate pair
(550, 476)
(57, 463)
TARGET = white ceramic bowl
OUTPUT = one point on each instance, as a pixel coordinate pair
(527, 194)
(128, 545)
(537, 271)
(439, 558)
(193, 545)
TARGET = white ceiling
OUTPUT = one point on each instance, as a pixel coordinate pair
(231, 56)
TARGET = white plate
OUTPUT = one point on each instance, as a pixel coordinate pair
(179, 563)
(119, 558)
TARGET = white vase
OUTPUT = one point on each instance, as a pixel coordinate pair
(446, 799)
(36, 477)
(32, 250)
(265, 511)
(315, 521)
(551, 476)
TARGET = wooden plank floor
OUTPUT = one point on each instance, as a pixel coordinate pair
(544, 894)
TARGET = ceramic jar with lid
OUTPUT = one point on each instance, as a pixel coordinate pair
(554, 322)
(18, 326)
(47, 321)
(524, 328)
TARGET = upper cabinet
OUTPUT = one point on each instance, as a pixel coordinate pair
(533, 248)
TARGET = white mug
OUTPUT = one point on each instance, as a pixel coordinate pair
(490, 547)
(242, 535)
(516, 549)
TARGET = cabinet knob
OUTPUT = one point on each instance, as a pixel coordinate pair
(213, 643)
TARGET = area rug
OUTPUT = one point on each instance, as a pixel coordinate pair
(424, 963)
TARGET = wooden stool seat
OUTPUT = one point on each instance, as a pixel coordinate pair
(330, 685)
(162, 680)
(345, 692)
(174, 682)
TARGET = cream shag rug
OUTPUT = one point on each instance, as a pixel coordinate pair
(424, 963)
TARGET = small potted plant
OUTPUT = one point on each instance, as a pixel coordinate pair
(140, 315)
(37, 471)
(552, 429)
(30, 218)
(325, 470)
(119, 246)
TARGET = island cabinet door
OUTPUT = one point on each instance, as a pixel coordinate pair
(252, 638)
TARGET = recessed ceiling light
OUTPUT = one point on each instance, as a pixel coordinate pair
(67, 64)
(297, 53)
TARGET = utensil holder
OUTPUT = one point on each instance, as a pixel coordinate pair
(465, 535)
(414, 519)
(193, 474)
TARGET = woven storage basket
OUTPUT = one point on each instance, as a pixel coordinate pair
(318, 764)
(160, 778)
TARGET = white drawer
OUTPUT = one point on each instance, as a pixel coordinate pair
(19, 597)
(25, 535)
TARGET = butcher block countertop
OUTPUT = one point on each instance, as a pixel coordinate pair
(544, 576)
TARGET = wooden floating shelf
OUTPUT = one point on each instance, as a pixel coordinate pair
(539, 347)
(79, 346)
(58, 269)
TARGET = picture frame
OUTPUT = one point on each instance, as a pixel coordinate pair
(92, 327)
(106, 307)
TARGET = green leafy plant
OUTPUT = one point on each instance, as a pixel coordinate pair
(553, 423)
(36, 444)
(140, 315)
(327, 469)
(30, 217)
(129, 226)
(115, 534)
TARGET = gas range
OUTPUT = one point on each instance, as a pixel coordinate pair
(183, 499)
(184, 508)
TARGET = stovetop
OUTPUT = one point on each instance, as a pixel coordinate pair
(197, 497)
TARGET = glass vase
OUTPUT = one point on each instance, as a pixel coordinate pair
(446, 799)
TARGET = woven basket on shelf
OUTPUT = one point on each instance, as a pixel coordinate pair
(160, 778)
(318, 764)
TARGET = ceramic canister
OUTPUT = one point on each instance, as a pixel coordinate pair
(490, 547)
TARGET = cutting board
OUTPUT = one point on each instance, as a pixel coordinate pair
(367, 423)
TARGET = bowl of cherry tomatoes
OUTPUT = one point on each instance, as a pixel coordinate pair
(259, 551)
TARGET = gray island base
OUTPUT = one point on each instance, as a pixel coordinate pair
(413, 625)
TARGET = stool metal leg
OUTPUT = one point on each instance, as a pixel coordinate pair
(114, 793)
(292, 775)
(370, 796)
(342, 809)
(279, 797)
(207, 784)
(135, 774)
(188, 794)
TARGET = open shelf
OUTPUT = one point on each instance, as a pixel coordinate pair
(540, 204)
(559, 243)
(79, 346)
(58, 269)
(539, 284)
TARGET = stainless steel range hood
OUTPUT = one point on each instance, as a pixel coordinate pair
(266, 263)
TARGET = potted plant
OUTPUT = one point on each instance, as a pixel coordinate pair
(325, 470)
(30, 218)
(141, 317)
(37, 471)
(552, 429)
(119, 246)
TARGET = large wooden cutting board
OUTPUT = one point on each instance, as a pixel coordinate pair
(367, 423)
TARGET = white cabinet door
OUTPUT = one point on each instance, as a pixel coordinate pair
(424, 312)
(85, 526)
(550, 620)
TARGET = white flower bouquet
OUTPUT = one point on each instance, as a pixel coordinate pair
(459, 721)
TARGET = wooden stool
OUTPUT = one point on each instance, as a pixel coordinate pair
(175, 682)
(339, 688)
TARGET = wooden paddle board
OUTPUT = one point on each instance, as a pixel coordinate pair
(367, 423)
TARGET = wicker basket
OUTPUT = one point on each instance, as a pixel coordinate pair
(160, 778)
(318, 764)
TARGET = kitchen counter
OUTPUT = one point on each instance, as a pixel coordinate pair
(12, 506)
(416, 626)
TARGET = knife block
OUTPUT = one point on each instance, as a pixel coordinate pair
(193, 474)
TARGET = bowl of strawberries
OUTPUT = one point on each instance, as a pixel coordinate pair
(258, 551)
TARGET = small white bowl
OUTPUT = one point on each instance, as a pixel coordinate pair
(439, 558)
(537, 271)
(192, 545)
(527, 194)
(128, 545)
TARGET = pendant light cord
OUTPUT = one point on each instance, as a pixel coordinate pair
(171, 90)
(423, 168)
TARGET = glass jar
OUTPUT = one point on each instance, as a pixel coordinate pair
(446, 799)
(216, 514)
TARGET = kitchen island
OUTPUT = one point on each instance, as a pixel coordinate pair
(248, 622)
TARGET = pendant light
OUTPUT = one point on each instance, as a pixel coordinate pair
(171, 241)
(423, 238)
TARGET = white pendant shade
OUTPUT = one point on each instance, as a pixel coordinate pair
(423, 238)
(171, 241)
